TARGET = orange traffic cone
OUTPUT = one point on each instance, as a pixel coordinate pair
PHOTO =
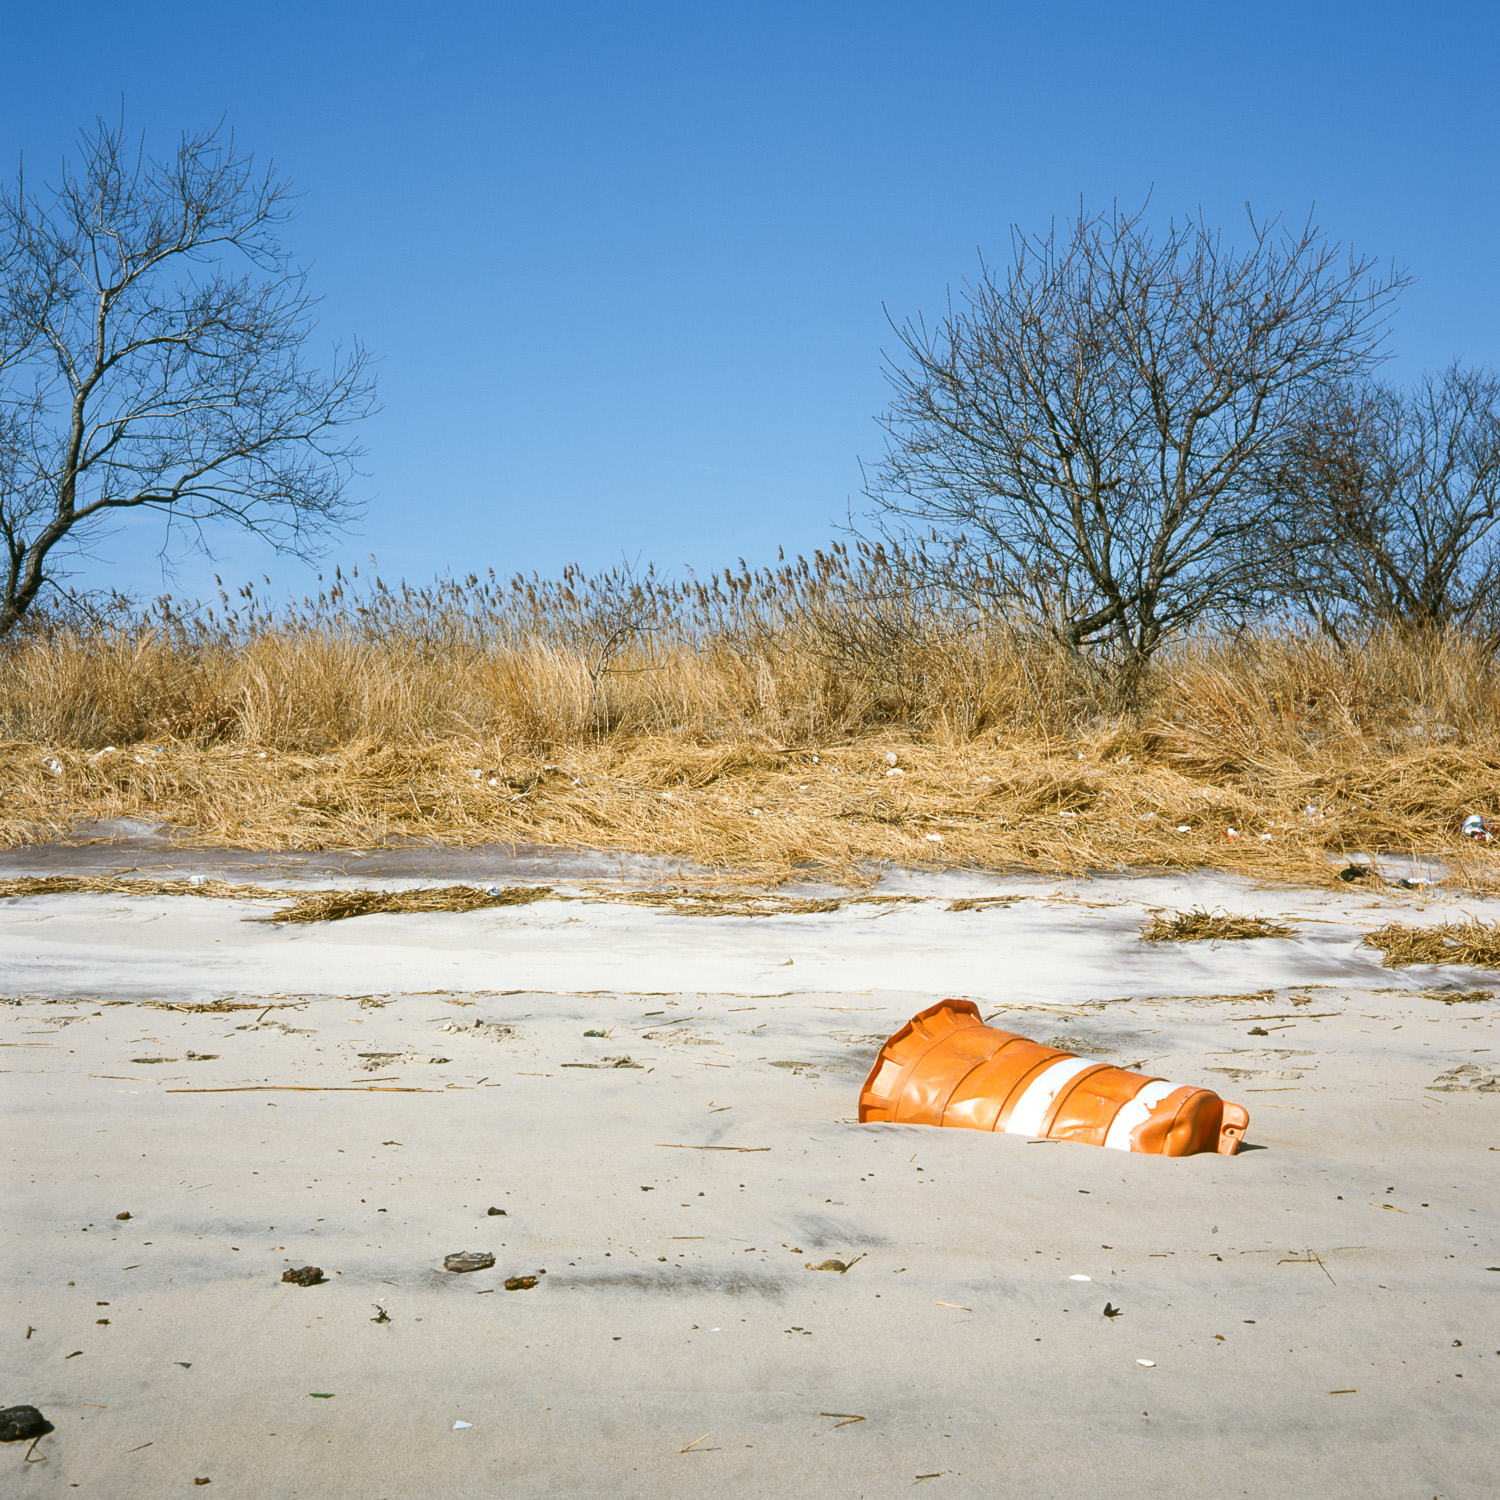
(946, 1067)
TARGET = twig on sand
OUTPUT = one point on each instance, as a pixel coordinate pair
(677, 1146)
(1311, 1258)
(846, 1415)
(693, 1444)
(307, 1088)
(1311, 1015)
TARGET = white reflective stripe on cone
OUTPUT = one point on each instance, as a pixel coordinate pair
(1026, 1118)
(1137, 1112)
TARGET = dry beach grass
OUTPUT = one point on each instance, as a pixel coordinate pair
(1473, 943)
(1199, 926)
(337, 905)
(821, 716)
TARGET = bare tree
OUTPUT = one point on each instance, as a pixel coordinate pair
(1395, 505)
(1091, 430)
(152, 330)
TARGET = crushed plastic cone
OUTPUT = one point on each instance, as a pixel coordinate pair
(946, 1067)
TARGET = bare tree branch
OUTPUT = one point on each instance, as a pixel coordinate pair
(152, 330)
(1094, 426)
(1396, 505)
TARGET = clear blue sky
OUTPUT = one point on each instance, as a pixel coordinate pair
(624, 263)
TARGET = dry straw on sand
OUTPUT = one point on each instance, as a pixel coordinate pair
(1198, 926)
(825, 717)
(334, 906)
(339, 905)
(120, 885)
(1474, 943)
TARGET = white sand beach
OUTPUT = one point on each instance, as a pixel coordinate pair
(1316, 1314)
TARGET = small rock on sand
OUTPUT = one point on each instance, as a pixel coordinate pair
(18, 1423)
(469, 1260)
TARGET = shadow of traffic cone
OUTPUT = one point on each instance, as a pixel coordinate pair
(946, 1067)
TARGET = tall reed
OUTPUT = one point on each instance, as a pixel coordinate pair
(845, 644)
(690, 682)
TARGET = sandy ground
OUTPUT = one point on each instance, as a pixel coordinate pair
(1320, 1310)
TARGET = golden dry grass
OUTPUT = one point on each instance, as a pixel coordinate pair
(1461, 997)
(1200, 926)
(749, 726)
(335, 906)
(338, 905)
(1473, 943)
(120, 885)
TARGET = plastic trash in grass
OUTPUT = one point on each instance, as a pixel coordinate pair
(1476, 828)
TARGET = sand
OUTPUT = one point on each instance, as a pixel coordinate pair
(1318, 1311)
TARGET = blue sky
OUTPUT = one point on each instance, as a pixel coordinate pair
(625, 264)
